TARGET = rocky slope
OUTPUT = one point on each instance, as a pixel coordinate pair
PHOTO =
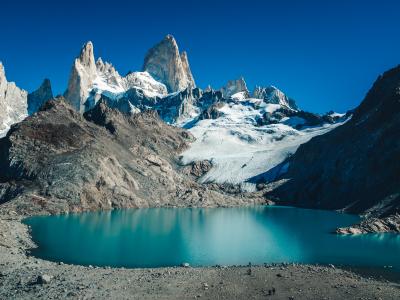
(13, 103)
(355, 167)
(58, 161)
(167, 65)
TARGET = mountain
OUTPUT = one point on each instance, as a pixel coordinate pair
(59, 160)
(355, 167)
(13, 103)
(90, 80)
(37, 98)
(167, 65)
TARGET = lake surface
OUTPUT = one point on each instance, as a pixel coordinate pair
(208, 236)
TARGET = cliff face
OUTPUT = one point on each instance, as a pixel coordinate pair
(167, 65)
(356, 166)
(13, 103)
(83, 73)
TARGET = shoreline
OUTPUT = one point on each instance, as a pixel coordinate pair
(19, 273)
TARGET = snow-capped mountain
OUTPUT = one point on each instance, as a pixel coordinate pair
(89, 80)
(165, 70)
(243, 134)
(13, 103)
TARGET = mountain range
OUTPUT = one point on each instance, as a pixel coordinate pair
(118, 141)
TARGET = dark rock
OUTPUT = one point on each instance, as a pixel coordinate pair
(64, 162)
(44, 279)
(37, 98)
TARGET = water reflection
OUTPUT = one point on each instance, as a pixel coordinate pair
(209, 236)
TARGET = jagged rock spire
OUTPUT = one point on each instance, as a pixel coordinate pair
(166, 64)
(83, 72)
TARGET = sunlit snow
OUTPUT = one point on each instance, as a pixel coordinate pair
(240, 150)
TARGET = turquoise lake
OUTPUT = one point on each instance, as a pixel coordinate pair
(158, 237)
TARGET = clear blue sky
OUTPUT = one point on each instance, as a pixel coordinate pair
(324, 54)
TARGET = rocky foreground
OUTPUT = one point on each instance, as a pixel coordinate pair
(59, 161)
(25, 277)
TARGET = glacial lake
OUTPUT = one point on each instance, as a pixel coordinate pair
(158, 237)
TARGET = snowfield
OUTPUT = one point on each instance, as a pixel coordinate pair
(239, 150)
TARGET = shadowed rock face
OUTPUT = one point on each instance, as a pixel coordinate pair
(59, 160)
(355, 167)
(166, 64)
(37, 98)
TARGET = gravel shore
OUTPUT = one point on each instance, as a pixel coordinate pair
(26, 277)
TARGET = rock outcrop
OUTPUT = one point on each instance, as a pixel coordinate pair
(13, 103)
(371, 225)
(354, 167)
(59, 160)
(167, 65)
(37, 98)
(235, 86)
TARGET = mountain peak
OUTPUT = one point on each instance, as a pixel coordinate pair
(37, 98)
(235, 86)
(86, 52)
(273, 95)
(170, 37)
(83, 72)
(166, 64)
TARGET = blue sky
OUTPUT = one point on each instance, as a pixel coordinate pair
(324, 54)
